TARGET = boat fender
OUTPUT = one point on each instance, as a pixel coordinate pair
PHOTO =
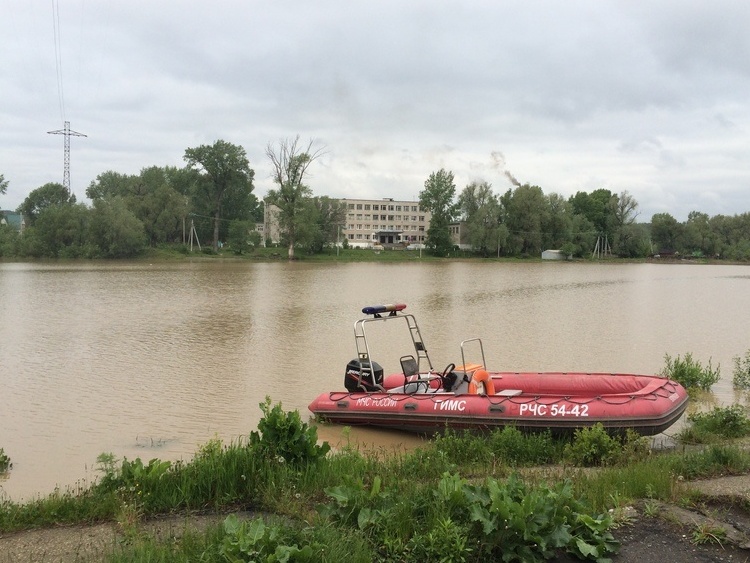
(481, 376)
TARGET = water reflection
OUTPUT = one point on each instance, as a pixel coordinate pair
(154, 359)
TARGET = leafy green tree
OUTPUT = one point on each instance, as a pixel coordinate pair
(666, 232)
(3, 184)
(480, 209)
(527, 212)
(226, 175)
(242, 236)
(150, 196)
(632, 241)
(625, 209)
(330, 217)
(110, 184)
(48, 195)
(583, 236)
(289, 164)
(160, 207)
(557, 225)
(59, 231)
(438, 198)
(699, 238)
(8, 241)
(115, 230)
(598, 207)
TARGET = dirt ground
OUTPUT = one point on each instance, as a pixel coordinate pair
(653, 533)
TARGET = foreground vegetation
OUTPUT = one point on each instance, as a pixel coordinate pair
(461, 497)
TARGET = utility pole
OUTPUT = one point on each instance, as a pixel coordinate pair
(67, 133)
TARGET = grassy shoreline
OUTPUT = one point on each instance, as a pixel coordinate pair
(383, 506)
(368, 255)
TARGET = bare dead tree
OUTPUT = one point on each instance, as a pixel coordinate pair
(289, 162)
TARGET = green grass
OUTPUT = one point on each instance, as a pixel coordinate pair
(717, 425)
(389, 507)
(180, 252)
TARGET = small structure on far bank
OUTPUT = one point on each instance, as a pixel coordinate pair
(555, 255)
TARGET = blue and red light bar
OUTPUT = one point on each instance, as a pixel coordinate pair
(377, 309)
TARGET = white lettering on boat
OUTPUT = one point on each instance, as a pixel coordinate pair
(673, 397)
(534, 409)
(381, 402)
(449, 405)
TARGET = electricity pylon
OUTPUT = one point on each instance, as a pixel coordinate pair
(67, 133)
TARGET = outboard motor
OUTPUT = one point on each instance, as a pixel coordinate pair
(359, 378)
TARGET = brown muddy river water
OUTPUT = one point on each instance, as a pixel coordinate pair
(153, 360)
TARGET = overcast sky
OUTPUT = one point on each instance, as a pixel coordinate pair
(648, 97)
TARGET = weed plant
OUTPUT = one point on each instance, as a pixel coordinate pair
(5, 464)
(716, 425)
(283, 435)
(594, 446)
(457, 520)
(690, 373)
(741, 372)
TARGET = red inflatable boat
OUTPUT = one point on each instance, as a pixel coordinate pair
(468, 396)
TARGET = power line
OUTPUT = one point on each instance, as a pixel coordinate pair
(58, 57)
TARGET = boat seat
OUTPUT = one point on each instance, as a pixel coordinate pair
(409, 366)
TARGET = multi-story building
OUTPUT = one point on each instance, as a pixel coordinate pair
(386, 222)
(369, 222)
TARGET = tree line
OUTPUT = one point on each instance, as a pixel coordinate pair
(212, 198)
(524, 221)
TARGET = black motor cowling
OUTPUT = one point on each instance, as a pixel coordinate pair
(359, 377)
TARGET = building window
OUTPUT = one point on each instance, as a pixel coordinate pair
(390, 218)
(367, 207)
(359, 206)
(414, 208)
(375, 207)
(390, 208)
(421, 217)
(359, 216)
(398, 208)
(351, 206)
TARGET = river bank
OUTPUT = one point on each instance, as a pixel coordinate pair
(664, 536)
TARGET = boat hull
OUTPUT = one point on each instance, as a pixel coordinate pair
(560, 402)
